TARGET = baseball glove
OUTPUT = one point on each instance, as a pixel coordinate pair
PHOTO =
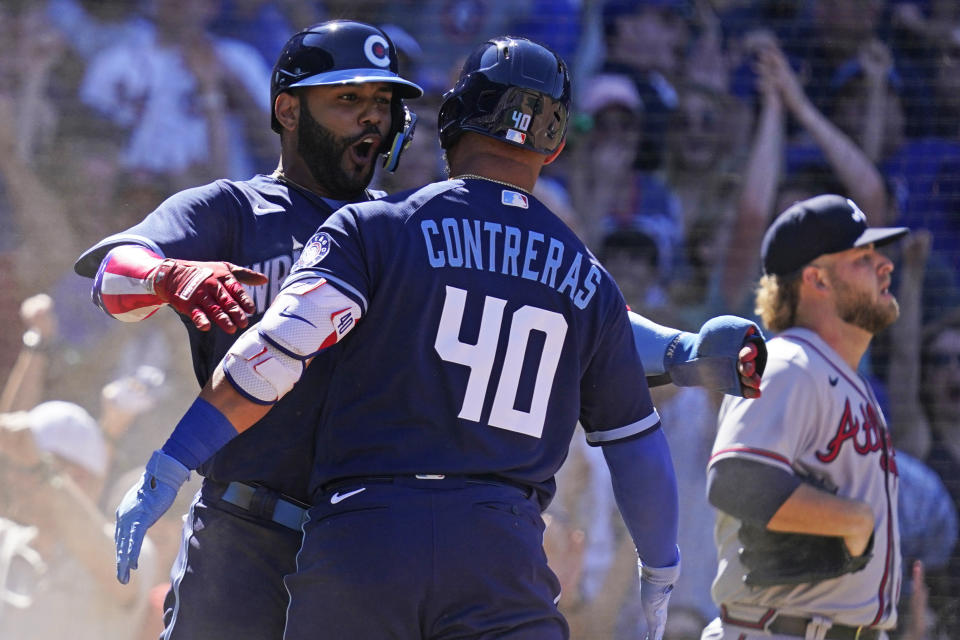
(772, 558)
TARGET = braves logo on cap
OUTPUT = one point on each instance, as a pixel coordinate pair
(377, 50)
(315, 250)
(857, 214)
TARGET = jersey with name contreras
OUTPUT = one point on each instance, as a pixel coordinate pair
(261, 224)
(488, 331)
(817, 418)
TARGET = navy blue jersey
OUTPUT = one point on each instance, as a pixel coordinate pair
(261, 224)
(488, 331)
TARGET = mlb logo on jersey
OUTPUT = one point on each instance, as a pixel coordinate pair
(315, 250)
(514, 199)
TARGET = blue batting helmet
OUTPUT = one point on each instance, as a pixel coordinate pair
(511, 89)
(345, 52)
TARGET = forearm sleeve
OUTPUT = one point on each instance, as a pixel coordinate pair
(651, 340)
(123, 286)
(645, 487)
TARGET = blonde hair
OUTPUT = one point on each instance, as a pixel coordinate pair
(776, 301)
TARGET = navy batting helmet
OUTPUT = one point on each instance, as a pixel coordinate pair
(346, 52)
(511, 89)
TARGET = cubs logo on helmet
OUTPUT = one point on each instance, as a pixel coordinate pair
(340, 52)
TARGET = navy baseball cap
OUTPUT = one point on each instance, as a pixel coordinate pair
(822, 224)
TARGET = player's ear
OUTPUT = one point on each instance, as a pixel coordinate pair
(815, 277)
(287, 109)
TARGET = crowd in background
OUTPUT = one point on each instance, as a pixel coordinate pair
(695, 122)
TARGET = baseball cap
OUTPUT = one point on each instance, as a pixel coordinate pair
(67, 430)
(822, 224)
(610, 89)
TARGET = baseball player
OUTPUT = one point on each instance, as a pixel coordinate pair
(483, 330)
(338, 103)
(805, 478)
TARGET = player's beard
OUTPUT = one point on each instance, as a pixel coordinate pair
(857, 308)
(324, 153)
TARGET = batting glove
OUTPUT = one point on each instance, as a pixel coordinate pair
(656, 585)
(143, 505)
(207, 291)
(711, 358)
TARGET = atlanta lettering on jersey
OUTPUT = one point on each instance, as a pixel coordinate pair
(491, 246)
(865, 433)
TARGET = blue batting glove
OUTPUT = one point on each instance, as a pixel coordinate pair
(143, 505)
(656, 585)
(710, 358)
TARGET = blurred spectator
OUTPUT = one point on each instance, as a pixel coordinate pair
(839, 31)
(632, 258)
(57, 561)
(703, 162)
(928, 527)
(262, 24)
(865, 101)
(689, 418)
(447, 30)
(89, 26)
(940, 394)
(555, 23)
(28, 119)
(645, 40)
(925, 173)
(607, 191)
(765, 189)
(26, 385)
(194, 104)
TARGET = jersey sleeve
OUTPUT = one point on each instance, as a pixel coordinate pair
(336, 252)
(615, 399)
(192, 225)
(775, 428)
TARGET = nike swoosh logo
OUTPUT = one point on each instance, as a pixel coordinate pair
(261, 210)
(286, 314)
(340, 497)
(833, 381)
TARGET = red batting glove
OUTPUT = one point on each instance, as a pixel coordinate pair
(750, 363)
(207, 291)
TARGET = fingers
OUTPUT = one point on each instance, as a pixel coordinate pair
(199, 319)
(213, 311)
(230, 303)
(122, 539)
(247, 276)
(236, 291)
(747, 368)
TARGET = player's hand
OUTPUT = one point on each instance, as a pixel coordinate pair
(207, 292)
(656, 585)
(747, 368)
(144, 504)
(728, 354)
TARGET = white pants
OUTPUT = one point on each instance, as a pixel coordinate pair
(717, 631)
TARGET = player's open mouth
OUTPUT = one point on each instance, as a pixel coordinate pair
(363, 151)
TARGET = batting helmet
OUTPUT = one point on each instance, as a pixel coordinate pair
(346, 52)
(511, 89)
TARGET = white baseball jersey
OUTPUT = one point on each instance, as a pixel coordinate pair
(817, 417)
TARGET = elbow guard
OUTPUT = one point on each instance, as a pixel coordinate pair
(307, 317)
